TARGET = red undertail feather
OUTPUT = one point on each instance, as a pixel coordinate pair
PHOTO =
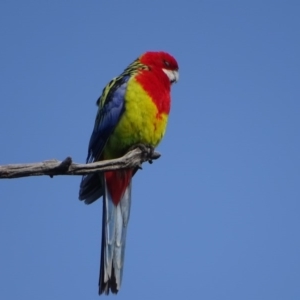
(117, 182)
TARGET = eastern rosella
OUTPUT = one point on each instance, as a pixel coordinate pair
(133, 109)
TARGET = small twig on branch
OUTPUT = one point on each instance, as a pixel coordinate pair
(132, 159)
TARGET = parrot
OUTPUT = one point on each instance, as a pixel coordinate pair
(133, 109)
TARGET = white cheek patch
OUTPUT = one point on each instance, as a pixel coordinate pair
(172, 75)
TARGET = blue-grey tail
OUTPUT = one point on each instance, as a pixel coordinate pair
(114, 227)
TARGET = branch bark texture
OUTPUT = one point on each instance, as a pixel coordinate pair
(132, 159)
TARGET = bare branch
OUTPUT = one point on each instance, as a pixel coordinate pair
(132, 159)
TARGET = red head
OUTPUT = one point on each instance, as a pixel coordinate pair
(162, 60)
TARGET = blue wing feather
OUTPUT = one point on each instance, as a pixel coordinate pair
(107, 118)
(111, 107)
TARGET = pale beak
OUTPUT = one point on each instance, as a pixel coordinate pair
(173, 75)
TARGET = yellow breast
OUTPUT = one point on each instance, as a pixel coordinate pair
(140, 122)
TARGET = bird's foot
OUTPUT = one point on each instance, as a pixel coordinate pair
(148, 152)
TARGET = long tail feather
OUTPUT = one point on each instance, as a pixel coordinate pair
(114, 228)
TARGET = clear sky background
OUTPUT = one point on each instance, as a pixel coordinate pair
(218, 215)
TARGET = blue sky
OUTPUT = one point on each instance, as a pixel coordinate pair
(217, 216)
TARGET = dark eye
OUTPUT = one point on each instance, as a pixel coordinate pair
(166, 63)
